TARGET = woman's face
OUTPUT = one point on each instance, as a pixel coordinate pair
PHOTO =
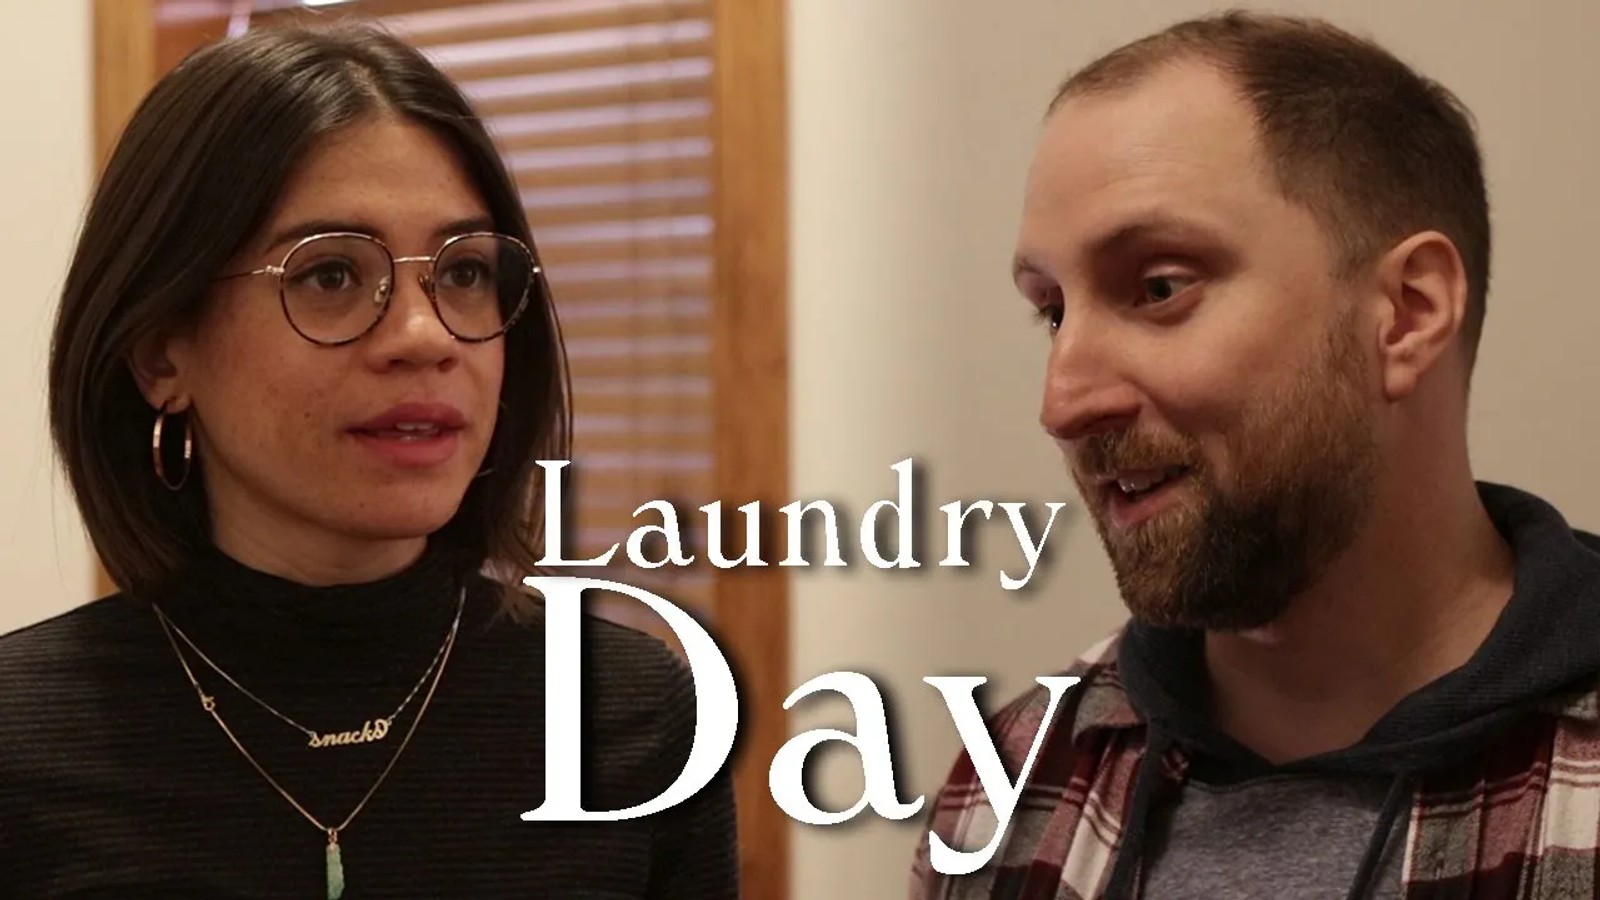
(335, 462)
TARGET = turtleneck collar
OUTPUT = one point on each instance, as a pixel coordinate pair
(249, 621)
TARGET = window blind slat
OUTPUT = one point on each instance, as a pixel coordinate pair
(627, 172)
(610, 163)
(602, 208)
(577, 329)
(488, 21)
(690, 126)
(556, 254)
(682, 347)
(687, 402)
(519, 96)
(568, 288)
(559, 53)
(639, 367)
(622, 442)
(644, 422)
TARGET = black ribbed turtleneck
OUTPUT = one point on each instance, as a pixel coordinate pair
(114, 782)
(275, 629)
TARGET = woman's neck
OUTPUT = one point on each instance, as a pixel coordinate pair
(319, 560)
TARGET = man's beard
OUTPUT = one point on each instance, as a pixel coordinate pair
(1233, 558)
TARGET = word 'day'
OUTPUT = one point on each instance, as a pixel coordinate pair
(717, 723)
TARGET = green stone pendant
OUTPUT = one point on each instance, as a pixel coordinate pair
(335, 868)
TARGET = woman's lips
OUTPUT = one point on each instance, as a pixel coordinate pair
(413, 435)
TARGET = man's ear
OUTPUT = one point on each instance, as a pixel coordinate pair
(1423, 287)
(160, 365)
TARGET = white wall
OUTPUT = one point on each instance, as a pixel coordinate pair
(45, 159)
(911, 128)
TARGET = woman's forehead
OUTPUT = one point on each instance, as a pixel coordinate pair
(396, 180)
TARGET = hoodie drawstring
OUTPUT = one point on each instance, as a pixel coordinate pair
(1125, 873)
(1367, 875)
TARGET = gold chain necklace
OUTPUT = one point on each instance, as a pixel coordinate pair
(371, 730)
(335, 860)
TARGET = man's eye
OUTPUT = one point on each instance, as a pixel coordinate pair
(1049, 315)
(1160, 288)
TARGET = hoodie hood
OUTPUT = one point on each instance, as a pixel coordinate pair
(1543, 643)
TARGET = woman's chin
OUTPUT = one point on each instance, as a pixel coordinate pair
(402, 520)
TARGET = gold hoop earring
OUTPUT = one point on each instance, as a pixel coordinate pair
(155, 450)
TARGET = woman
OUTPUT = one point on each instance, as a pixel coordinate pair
(304, 366)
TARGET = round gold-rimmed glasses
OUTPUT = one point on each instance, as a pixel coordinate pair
(336, 287)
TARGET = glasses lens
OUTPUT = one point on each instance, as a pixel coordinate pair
(480, 283)
(335, 287)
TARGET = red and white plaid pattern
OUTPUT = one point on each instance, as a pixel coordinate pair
(1520, 821)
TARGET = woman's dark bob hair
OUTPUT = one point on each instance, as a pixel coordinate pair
(196, 174)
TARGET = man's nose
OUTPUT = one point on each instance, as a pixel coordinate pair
(1086, 388)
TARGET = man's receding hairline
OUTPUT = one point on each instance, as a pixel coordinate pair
(1141, 73)
(1146, 69)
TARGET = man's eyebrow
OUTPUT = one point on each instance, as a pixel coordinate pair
(1145, 227)
(1131, 232)
(1021, 265)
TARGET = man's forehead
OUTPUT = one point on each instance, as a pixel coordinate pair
(1180, 140)
(1184, 115)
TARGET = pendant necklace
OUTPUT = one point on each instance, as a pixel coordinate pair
(371, 730)
(334, 857)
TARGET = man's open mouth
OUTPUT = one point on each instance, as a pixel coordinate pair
(1139, 484)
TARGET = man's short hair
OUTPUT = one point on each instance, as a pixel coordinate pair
(1372, 148)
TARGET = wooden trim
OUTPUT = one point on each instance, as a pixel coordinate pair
(751, 364)
(124, 66)
(124, 36)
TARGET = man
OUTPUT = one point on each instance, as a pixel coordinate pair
(1260, 247)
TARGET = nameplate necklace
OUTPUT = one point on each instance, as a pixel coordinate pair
(372, 730)
(333, 855)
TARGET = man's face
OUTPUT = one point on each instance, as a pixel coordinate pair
(1208, 379)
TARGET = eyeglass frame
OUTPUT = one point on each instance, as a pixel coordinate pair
(428, 284)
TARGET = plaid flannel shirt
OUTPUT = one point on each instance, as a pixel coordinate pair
(1521, 820)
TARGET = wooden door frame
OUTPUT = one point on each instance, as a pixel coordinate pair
(750, 359)
(123, 37)
(750, 340)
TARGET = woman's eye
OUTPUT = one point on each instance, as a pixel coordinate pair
(333, 279)
(466, 274)
(328, 276)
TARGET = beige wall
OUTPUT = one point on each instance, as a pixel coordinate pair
(911, 129)
(44, 181)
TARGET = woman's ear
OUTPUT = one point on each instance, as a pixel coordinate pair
(160, 366)
(1424, 290)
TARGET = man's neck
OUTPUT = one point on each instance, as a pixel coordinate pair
(1411, 600)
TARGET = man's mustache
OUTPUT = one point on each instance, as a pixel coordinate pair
(1104, 455)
